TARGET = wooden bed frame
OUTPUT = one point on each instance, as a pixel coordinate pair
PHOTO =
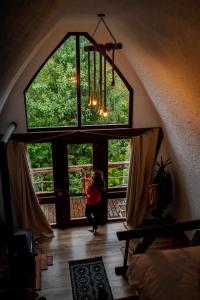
(149, 234)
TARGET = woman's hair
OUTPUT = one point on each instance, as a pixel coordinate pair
(97, 181)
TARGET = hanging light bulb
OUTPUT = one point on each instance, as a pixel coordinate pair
(101, 112)
(100, 80)
(94, 101)
(94, 97)
(105, 112)
(89, 102)
(72, 78)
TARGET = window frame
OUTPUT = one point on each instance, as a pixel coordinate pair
(79, 126)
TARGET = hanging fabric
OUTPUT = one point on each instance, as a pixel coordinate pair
(28, 212)
(143, 152)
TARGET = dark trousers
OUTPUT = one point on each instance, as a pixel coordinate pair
(92, 214)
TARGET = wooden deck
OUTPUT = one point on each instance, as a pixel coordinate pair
(116, 209)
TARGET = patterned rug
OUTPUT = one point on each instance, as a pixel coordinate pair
(89, 280)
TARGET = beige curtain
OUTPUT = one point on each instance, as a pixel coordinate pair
(28, 212)
(143, 151)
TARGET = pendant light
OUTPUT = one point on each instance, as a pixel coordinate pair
(100, 100)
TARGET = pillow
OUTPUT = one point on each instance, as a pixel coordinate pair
(167, 274)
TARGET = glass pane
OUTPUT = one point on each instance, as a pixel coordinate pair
(118, 162)
(117, 100)
(51, 99)
(40, 156)
(117, 96)
(80, 164)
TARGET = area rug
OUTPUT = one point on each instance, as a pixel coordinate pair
(89, 280)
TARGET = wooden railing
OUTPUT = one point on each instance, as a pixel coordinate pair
(149, 234)
(83, 168)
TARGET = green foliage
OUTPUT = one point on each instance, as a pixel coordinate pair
(40, 155)
(75, 184)
(51, 100)
(43, 182)
(118, 151)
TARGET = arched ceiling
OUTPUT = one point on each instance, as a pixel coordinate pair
(161, 41)
(162, 31)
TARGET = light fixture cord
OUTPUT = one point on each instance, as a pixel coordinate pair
(89, 77)
(104, 104)
(102, 19)
(112, 36)
(113, 68)
(100, 79)
(95, 73)
(95, 30)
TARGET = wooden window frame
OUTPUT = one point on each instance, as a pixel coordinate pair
(80, 126)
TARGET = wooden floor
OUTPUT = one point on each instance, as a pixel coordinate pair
(78, 243)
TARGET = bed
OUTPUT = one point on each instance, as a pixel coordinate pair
(166, 275)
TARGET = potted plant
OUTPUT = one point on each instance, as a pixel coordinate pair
(163, 184)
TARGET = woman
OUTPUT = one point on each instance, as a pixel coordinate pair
(93, 199)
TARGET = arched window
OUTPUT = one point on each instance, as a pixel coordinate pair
(57, 96)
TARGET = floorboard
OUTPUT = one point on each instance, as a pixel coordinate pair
(78, 243)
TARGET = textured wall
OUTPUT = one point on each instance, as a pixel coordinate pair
(162, 53)
(164, 43)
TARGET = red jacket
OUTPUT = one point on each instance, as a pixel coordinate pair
(93, 196)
